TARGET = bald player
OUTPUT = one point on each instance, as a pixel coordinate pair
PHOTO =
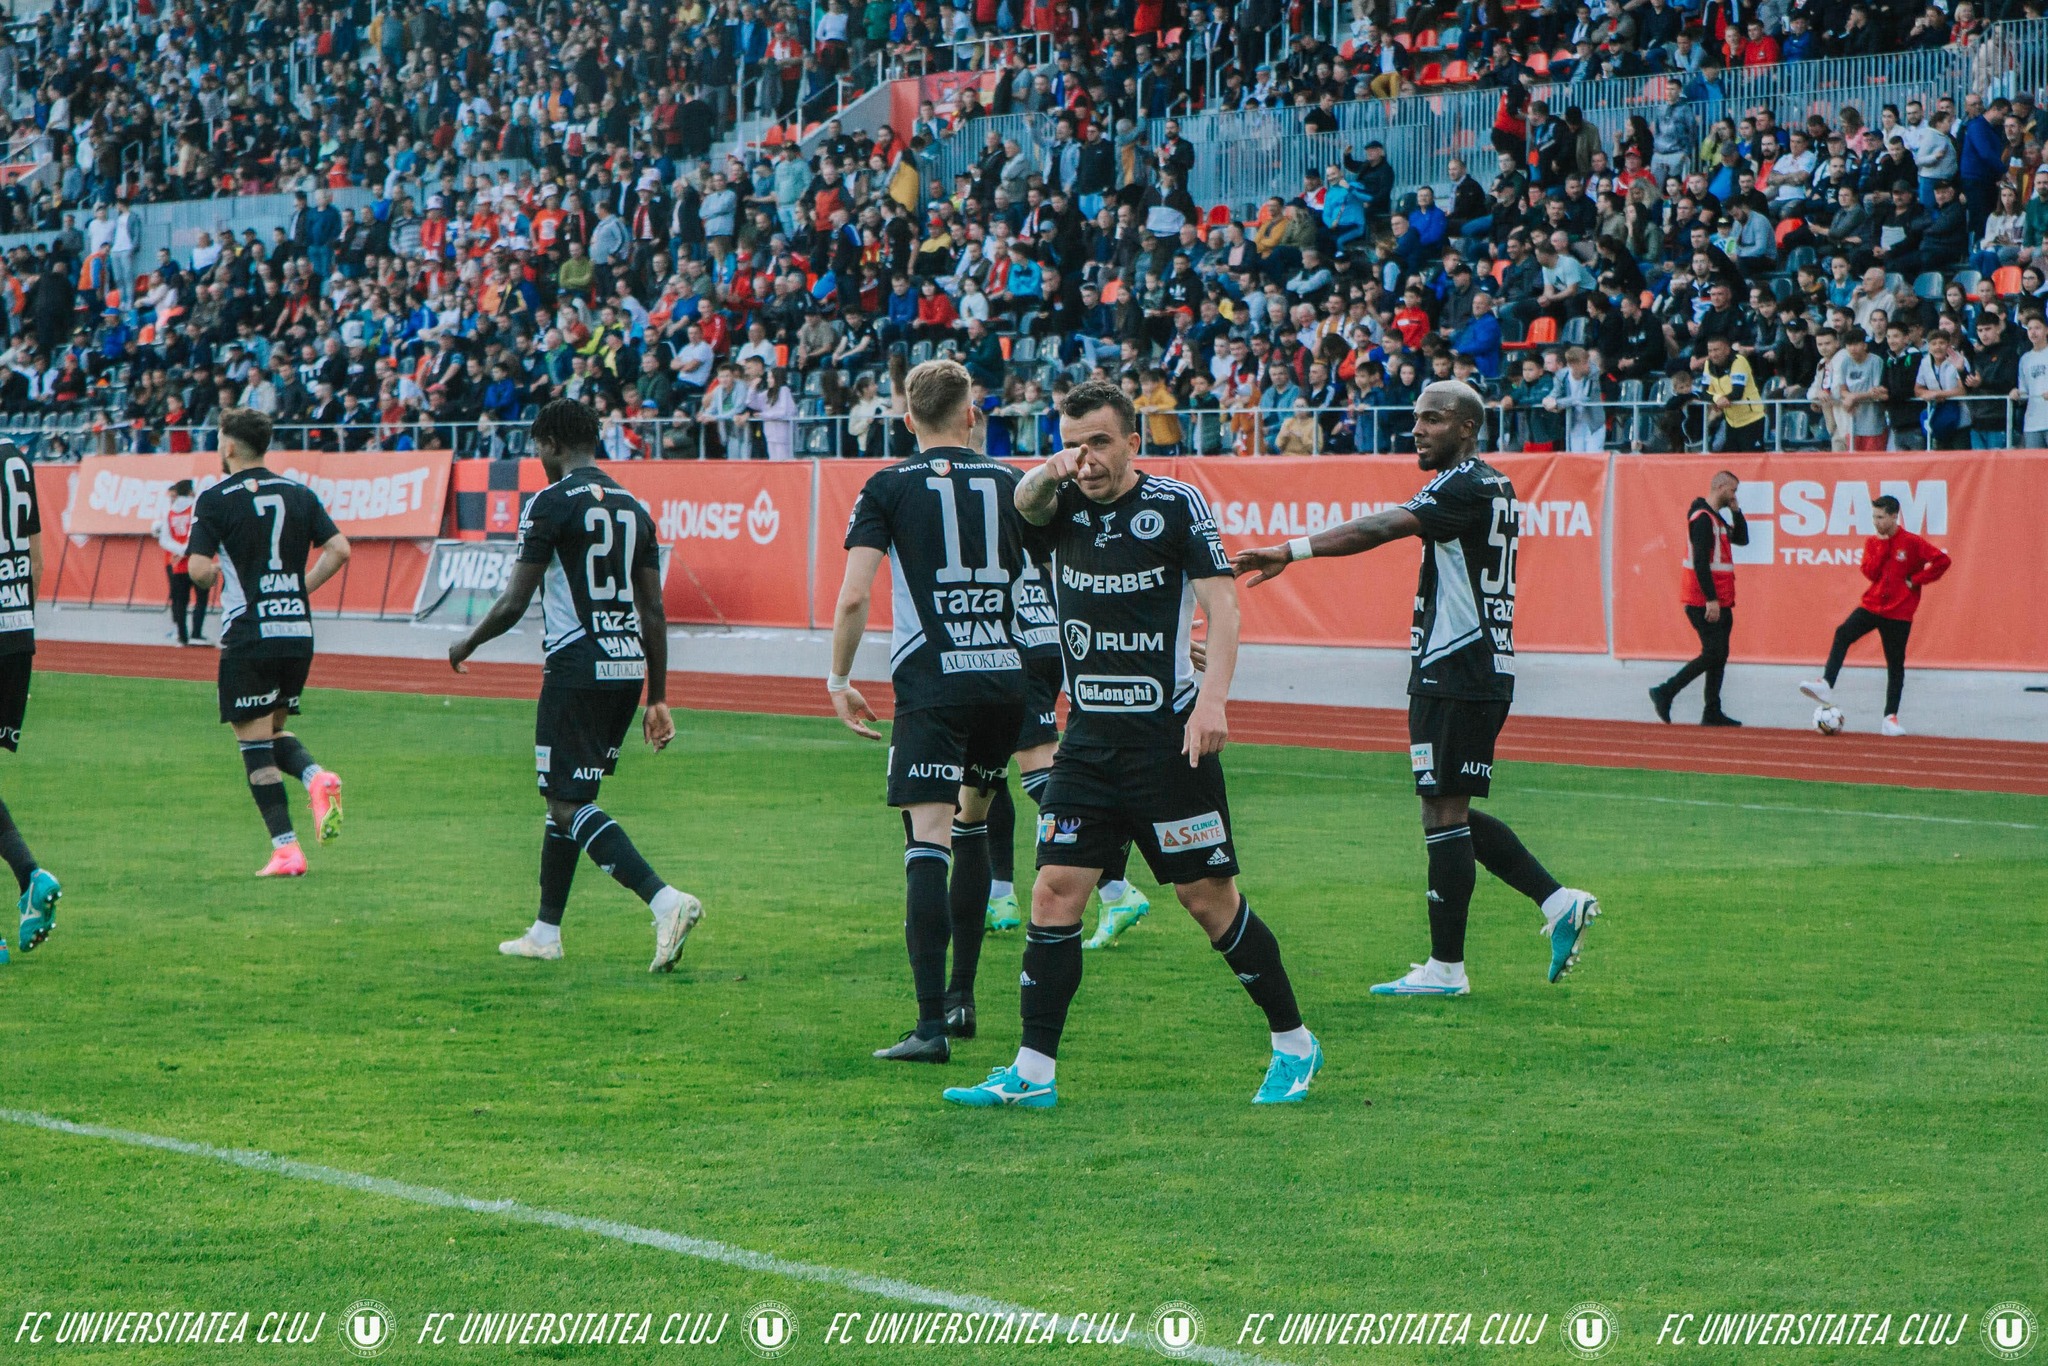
(1461, 679)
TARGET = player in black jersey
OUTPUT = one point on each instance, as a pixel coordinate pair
(254, 531)
(1130, 556)
(1036, 626)
(1461, 679)
(589, 546)
(946, 522)
(21, 579)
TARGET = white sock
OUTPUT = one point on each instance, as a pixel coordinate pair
(1296, 1042)
(1558, 902)
(1034, 1066)
(544, 933)
(280, 841)
(1445, 972)
(998, 890)
(1115, 891)
(312, 771)
(665, 899)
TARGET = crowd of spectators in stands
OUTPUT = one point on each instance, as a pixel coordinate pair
(1649, 292)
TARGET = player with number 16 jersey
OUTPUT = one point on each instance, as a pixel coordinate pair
(21, 574)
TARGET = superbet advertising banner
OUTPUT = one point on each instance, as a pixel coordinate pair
(738, 535)
(1809, 515)
(369, 494)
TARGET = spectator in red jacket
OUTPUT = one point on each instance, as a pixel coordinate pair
(1758, 47)
(1898, 564)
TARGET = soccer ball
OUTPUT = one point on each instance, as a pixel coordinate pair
(1829, 720)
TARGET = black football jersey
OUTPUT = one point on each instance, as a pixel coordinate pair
(1123, 577)
(262, 527)
(593, 537)
(1034, 620)
(1462, 643)
(948, 521)
(20, 518)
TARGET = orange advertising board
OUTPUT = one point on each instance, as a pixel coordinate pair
(369, 494)
(738, 533)
(1808, 515)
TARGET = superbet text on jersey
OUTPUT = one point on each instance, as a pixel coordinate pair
(1462, 642)
(949, 526)
(593, 537)
(1123, 576)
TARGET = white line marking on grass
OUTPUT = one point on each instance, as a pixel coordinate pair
(1254, 771)
(703, 1249)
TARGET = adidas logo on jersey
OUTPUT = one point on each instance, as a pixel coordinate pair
(1218, 860)
(1081, 518)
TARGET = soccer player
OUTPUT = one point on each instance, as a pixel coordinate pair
(1708, 592)
(1461, 680)
(1132, 554)
(21, 581)
(946, 522)
(604, 636)
(254, 531)
(1898, 564)
(1036, 629)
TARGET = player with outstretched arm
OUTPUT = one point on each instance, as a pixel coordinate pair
(1131, 554)
(1461, 679)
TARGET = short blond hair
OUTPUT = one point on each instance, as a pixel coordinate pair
(936, 391)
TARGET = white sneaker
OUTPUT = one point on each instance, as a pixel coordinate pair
(1891, 726)
(1818, 690)
(1425, 980)
(675, 915)
(526, 946)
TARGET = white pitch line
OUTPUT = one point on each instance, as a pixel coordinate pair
(682, 1244)
(1255, 771)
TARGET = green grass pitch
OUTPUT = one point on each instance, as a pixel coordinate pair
(1803, 1065)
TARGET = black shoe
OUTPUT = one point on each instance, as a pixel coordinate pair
(1661, 700)
(911, 1048)
(959, 1015)
(1718, 718)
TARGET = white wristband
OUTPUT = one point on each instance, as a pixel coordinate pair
(837, 682)
(1299, 549)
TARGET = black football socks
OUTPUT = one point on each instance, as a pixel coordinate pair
(1051, 976)
(1501, 853)
(605, 841)
(927, 925)
(968, 904)
(14, 849)
(1252, 952)
(558, 857)
(1451, 875)
(258, 755)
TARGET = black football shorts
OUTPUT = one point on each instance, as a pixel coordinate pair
(1101, 799)
(1043, 679)
(577, 733)
(935, 751)
(255, 686)
(1450, 744)
(14, 676)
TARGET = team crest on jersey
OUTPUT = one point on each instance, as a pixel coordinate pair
(941, 466)
(249, 485)
(1147, 524)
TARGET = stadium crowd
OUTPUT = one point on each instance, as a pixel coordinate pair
(1883, 273)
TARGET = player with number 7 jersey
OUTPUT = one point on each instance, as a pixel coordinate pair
(256, 531)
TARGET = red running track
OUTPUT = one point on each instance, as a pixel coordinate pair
(1912, 761)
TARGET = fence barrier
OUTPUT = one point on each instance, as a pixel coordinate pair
(757, 543)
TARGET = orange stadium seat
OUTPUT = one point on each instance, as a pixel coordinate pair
(1432, 73)
(1458, 73)
(2005, 280)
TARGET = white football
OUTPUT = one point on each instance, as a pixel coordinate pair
(1829, 720)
